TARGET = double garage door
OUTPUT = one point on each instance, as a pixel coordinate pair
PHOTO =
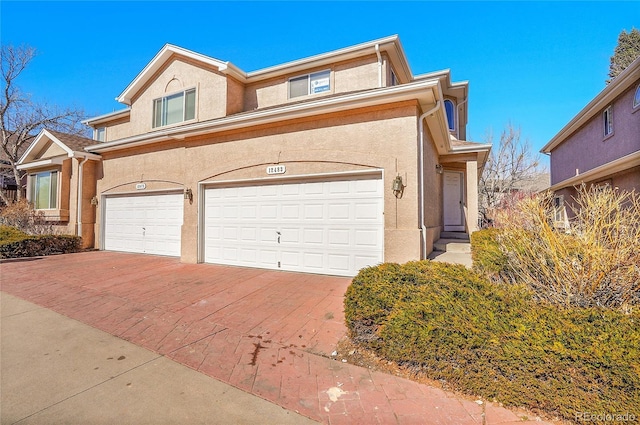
(329, 226)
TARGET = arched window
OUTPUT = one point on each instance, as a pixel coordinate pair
(636, 98)
(451, 114)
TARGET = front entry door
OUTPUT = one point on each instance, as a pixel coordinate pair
(452, 200)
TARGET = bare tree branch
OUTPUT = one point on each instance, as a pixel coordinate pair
(22, 118)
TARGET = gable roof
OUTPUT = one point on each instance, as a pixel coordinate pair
(391, 45)
(619, 84)
(70, 146)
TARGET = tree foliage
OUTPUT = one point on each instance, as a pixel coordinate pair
(626, 51)
(511, 165)
(22, 118)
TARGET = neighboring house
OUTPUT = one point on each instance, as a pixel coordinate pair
(8, 183)
(600, 145)
(326, 164)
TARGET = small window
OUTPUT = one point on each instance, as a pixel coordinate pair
(559, 212)
(636, 98)
(304, 85)
(607, 118)
(394, 78)
(44, 190)
(100, 134)
(451, 114)
(175, 108)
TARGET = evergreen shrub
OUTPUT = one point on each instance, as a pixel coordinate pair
(496, 341)
(16, 244)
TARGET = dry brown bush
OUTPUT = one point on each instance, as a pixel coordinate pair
(593, 262)
(22, 216)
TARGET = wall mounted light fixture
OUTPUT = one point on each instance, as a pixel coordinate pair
(398, 186)
(439, 169)
(188, 194)
(94, 200)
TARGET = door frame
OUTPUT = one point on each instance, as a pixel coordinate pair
(453, 227)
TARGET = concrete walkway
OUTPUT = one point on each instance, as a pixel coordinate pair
(265, 332)
(55, 370)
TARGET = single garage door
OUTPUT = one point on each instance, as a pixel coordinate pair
(328, 227)
(149, 224)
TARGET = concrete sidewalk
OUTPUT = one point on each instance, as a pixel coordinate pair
(57, 370)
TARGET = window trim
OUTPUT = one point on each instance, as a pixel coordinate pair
(308, 77)
(636, 99)
(453, 117)
(559, 210)
(607, 121)
(184, 109)
(393, 78)
(33, 189)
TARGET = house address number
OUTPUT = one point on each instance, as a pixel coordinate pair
(276, 169)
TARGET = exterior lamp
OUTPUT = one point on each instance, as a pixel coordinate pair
(188, 194)
(439, 168)
(398, 186)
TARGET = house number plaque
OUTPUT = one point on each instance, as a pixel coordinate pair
(276, 169)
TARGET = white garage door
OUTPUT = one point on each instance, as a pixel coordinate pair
(148, 224)
(328, 227)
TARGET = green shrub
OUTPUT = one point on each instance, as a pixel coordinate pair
(16, 244)
(495, 340)
(486, 254)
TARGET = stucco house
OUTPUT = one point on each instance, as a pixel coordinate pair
(325, 164)
(601, 144)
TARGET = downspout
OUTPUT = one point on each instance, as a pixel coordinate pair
(79, 213)
(379, 65)
(423, 235)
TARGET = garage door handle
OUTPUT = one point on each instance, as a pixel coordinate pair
(278, 233)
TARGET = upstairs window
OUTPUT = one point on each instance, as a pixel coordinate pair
(607, 119)
(394, 78)
(451, 114)
(636, 98)
(44, 190)
(100, 134)
(175, 108)
(304, 85)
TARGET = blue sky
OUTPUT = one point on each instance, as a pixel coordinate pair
(534, 64)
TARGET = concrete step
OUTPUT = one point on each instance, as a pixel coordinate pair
(455, 235)
(452, 245)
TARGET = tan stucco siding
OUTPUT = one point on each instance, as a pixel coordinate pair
(51, 150)
(176, 76)
(235, 96)
(117, 130)
(358, 75)
(374, 139)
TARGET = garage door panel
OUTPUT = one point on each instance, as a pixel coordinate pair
(149, 224)
(325, 227)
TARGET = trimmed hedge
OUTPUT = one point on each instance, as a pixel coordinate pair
(17, 244)
(495, 341)
(486, 254)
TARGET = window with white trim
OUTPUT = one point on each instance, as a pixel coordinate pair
(559, 211)
(174, 108)
(607, 120)
(318, 82)
(100, 134)
(451, 114)
(44, 190)
(636, 98)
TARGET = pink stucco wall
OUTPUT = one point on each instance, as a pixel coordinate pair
(588, 148)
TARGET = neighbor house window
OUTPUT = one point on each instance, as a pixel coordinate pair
(636, 98)
(101, 132)
(44, 190)
(175, 108)
(559, 209)
(607, 119)
(304, 85)
(451, 114)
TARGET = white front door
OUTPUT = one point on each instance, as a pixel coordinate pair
(149, 224)
(452, 200)
(328, 227)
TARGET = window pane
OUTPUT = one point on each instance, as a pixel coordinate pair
(448, 106)
(100, 133)
(173, 109)
(157, 112)
(636, 98)
(53, 203)
(320, 82)
(42, 190)
(299, 86)
(190, 105)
